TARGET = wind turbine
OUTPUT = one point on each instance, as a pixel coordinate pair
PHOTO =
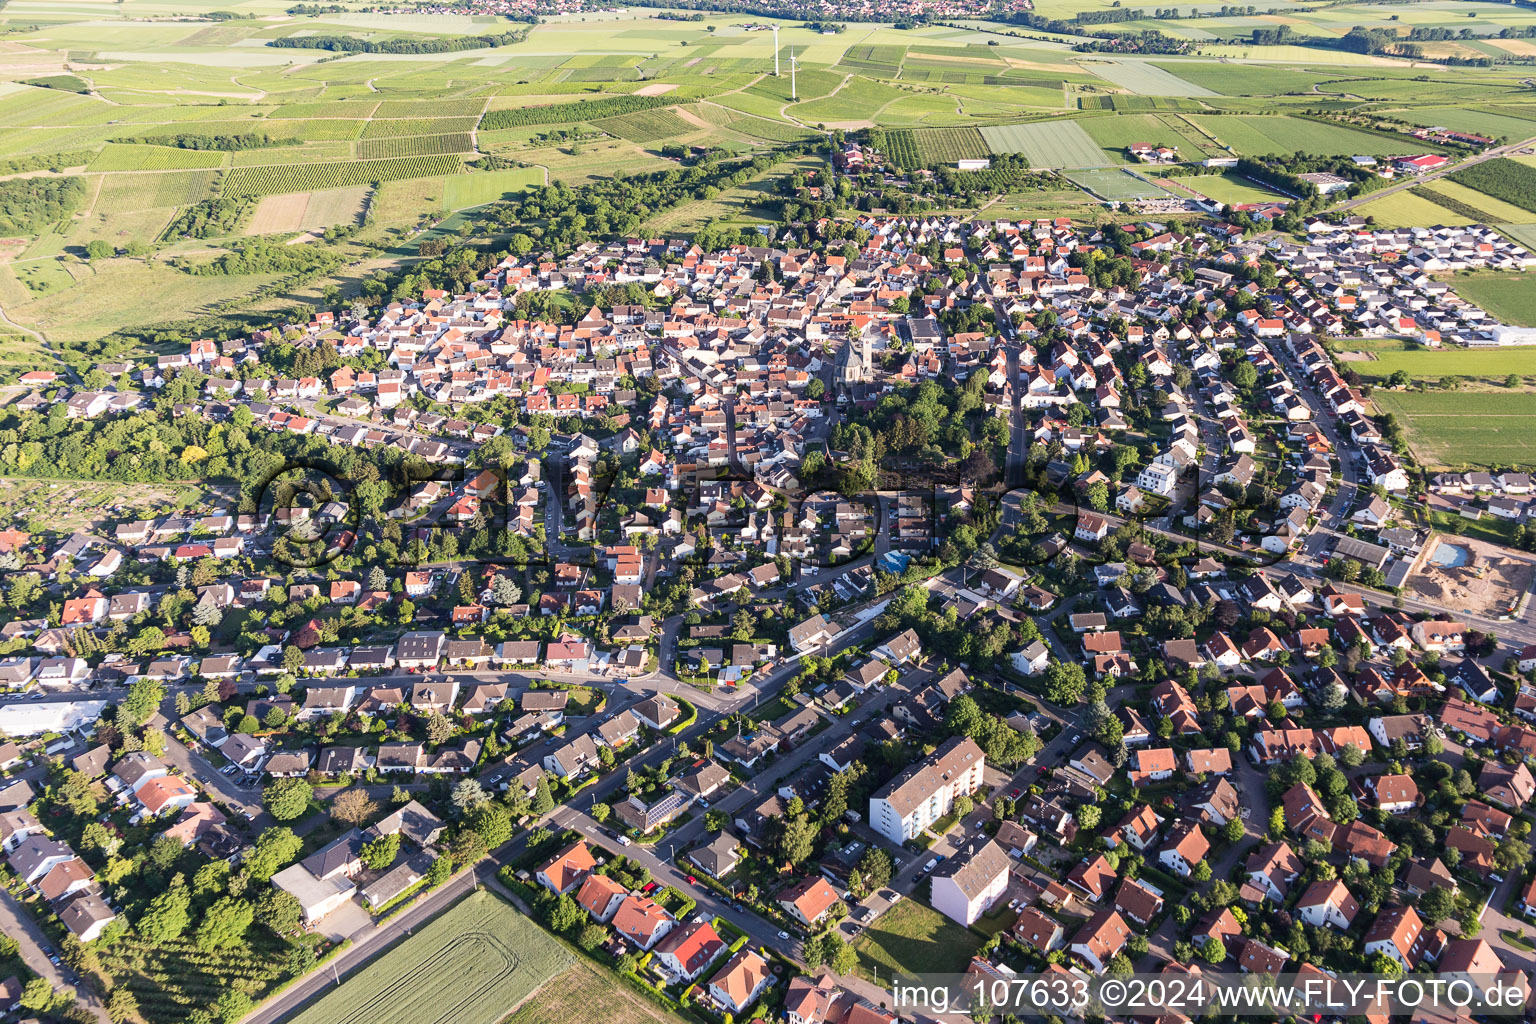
(793, 63)
(775, 51)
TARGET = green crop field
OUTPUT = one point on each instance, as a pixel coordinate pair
(1258, 135)
(1404, 209)
(946, 145)
(1244, 79)
(315, 137)
(472, 965)
(1431, 364)
(118, 157)
(415, 145)
(1047, 144)
(461, 191)
(1449, 428)
(1510, 297)
(645, 125)
(263, 181)
(1503, 179)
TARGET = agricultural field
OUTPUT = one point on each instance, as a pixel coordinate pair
(1260, 135)
(462, 191)
(946, 145)
(586, 993)
(119, 157)
(1047, 144)
(308, 211)
(415, 145)
(263, 181)
(646, 126)
(1453, 428)
(1503, 179)
(471, 965)
(1404, 209)
(1508, 297)
(303, 132)
(1426, 364)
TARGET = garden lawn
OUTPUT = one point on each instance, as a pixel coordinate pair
(469, 966)
(912, 937)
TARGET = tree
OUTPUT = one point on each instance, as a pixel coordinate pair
(491, 823)
(1088, 816)
(225, 924)
(798, 840)
(1245, 375)
(1201, 872)
(380, 853)
(38, 995)
(439, 728)
(279, 911)
(1214, 951)
(232, 1006)
(1436, 905)
(591, 936)
(287, 799)
(1065, 683)
(1233, 830)
(468, 794)
(600, 812)
(274, 849)
(876, 867)
(543, 799)
(353, 806)
(504, 591)
(99, 249)
(963, 716)
(166, 916)
(142, 700)
(565, 914)
(121, 1006)
(841, 957)
(812, 952)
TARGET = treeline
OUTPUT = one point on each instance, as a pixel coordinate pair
(46, 161)
(211, 218)
(1115, 15)
(678, 16)
(580, 110)
(765, 9)
(1501, 178)
(227, 143)
(357, 44)
(259, 256)
(28, 204)
(63, 83)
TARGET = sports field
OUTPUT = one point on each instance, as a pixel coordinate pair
(1114, 183)
(1449, 428)
(1047, 144)
(1230, 188)
(472, 965)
